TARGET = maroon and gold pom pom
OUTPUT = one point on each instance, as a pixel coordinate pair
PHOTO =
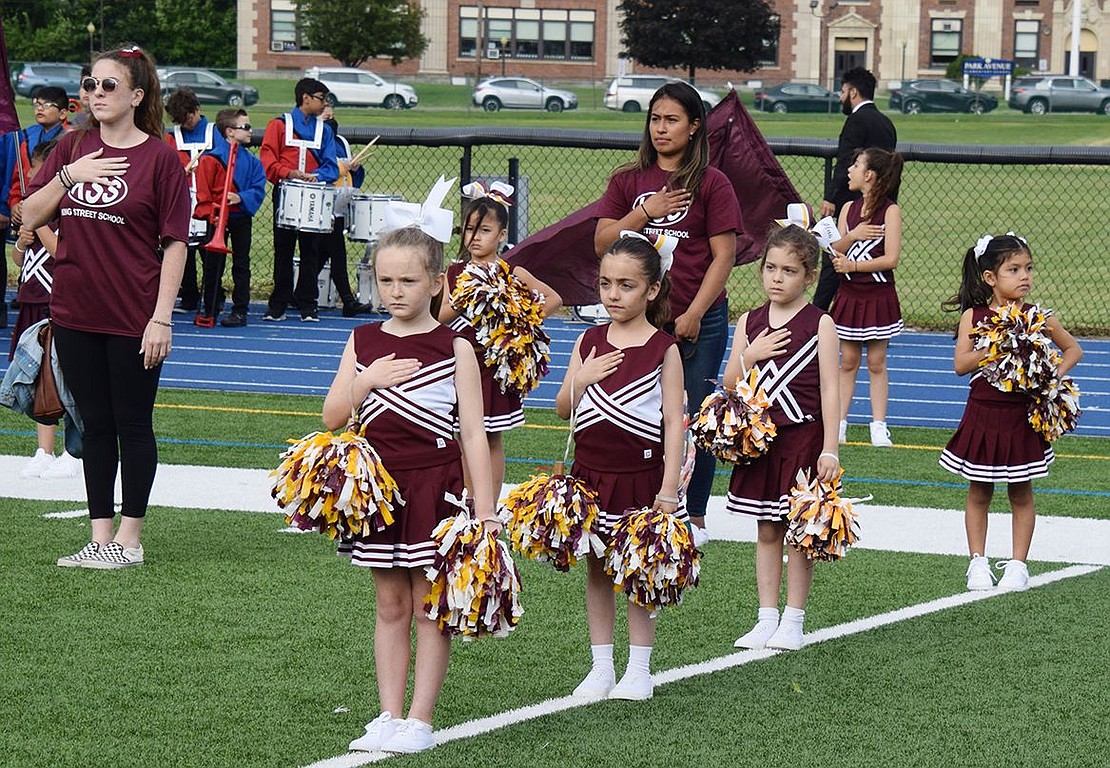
(820, 524)
(475, 583)
(508, 321)
(652, 559)
(335, 484)
(733, 425)
(552, 519)
(1056, 411)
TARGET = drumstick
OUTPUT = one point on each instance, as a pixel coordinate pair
(362, 153)
(192, 166)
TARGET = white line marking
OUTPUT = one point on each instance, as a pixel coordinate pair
(510, 717)
(67, 515)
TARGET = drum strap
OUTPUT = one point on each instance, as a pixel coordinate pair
(302, 145)
(194, 148)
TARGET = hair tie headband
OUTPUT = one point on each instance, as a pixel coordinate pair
(431, 217)
(132, 52)
(664, 244)
(801, 215)
(982, 243)
(499, 191)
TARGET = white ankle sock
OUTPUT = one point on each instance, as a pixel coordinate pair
(793, 615)
(602, 656)
(639, 659)
(768, 614)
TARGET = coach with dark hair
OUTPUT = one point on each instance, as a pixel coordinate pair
(865, 127)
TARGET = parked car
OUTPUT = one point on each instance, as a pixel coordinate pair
(632, 93)
(209, 87)
(521, 93)
(797, 97)
(360, 88)
(939, 96)
(38, 74)
(1059, 93)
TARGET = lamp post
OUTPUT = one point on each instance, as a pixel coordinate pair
(504, 45)
(813, 4)
(91, 29)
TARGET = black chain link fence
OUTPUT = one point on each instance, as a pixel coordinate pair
(1056, 197)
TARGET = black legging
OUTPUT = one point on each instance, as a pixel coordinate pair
(115, 397)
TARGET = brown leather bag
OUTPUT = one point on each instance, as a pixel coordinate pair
(48, 405)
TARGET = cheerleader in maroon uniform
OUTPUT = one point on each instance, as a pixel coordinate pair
(485, 227)
(793, 343)
(410, 378)
(994, 441)
(624, 384)
(866, 310)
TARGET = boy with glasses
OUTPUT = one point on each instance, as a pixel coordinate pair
(247, 190)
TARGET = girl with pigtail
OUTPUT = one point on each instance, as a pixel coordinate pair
(866, 310)
(485, 222)
(995, 441)
(624, 384)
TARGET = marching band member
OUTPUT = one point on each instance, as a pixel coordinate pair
(248, 188)
(192, 135)
(298, 146)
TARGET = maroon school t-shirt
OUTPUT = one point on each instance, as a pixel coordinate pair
(713, 212)
(107, 267)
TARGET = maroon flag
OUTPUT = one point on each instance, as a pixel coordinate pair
(562, 255)
(9, 120)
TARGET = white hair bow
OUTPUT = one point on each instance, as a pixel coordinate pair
(498, 190)
(664, 244)
(801, 215)
(430, 217)
(981, 245)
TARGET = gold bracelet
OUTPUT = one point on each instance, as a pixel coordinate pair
(161, 322)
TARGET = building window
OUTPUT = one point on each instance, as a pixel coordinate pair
(528, 33)
(285, 31)
(772, 59)
(945, 42)
(1027, 36)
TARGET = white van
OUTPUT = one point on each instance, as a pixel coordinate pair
(632, 93)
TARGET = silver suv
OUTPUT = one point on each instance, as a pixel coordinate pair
(358, 87)
(1059, 93)
(632, 93)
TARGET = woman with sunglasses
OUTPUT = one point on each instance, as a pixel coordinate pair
(671, 190)
(122, 203)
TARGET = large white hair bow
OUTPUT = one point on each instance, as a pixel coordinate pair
(982, 243)
(497, 190)
(430, 217)
(801, 215)
(664, 244)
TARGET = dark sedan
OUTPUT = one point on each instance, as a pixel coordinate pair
(916, 96)
(209, 87)
(797, 97)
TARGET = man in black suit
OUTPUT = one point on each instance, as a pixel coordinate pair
(865, 127)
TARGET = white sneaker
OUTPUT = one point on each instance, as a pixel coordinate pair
(880, 435)
(37, 464)
(378, 731)
(699, 536)
(979, 576)
(1015, 576)
(788, 637)
(113, 556)
(634, 686)
(65, 467)
(412, 736)
(595, 685)
(842, 434)
(758, 635)
(75, 560)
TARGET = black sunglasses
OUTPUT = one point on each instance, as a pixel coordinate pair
(109, 84)
(246, 127)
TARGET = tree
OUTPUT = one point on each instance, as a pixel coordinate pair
(353, 31)
(699, 34)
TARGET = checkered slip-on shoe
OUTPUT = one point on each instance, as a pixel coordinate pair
(113, 556)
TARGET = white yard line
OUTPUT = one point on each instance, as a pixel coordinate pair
(484, 725)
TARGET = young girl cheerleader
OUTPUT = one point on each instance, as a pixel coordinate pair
(485, 227)
(409, 377)
(793, 343)
(994, 441)
(624, 384)
(866, 310)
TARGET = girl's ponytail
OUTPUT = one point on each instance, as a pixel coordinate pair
(973, 291)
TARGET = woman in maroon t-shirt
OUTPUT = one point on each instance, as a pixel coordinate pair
(122, 204)
(670, 189)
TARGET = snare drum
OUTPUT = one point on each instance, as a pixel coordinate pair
(307, 206)
(367, 216)
(198, 232)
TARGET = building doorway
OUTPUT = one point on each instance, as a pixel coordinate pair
(1086, 63)
(849, 52)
